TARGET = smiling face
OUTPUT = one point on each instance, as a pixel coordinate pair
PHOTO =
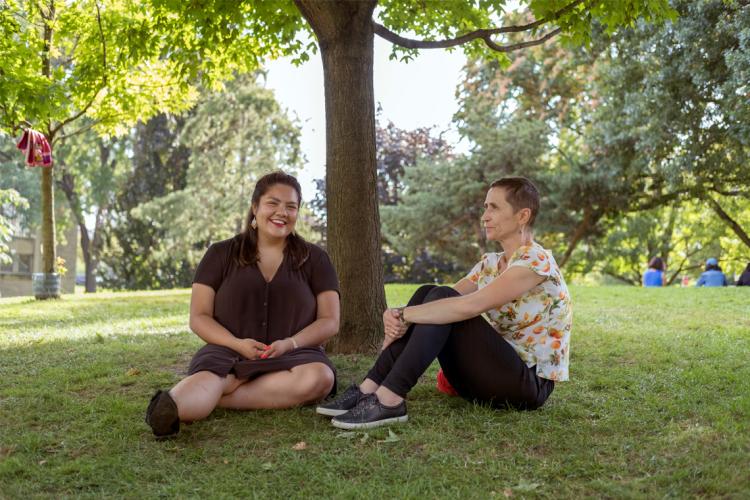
(276, 212)
(499, 219)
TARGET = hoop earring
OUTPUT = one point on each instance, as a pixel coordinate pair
(254, 223)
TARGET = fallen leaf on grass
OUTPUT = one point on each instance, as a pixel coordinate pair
(507, 492)
(42, 462)
(226, 462)
(346, 435)
(133, 372)
(300, 446)
(392, 437)
(267, 466)
(365, 437)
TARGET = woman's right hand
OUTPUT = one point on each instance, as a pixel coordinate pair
(249, 348)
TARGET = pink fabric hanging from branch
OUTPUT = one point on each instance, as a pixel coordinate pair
(36, 149)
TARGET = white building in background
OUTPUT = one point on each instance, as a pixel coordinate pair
(26, 252)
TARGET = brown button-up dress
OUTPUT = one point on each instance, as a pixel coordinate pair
(250, 307)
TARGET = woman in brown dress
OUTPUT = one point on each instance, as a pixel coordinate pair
(264, 302)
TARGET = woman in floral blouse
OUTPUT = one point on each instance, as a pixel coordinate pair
(501, 334)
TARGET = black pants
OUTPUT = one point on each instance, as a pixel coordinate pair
(478, 363)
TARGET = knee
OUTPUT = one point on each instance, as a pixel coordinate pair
(440, 292)
(419, 296)
(314, 383)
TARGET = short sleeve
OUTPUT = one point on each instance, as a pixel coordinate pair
(476, 271)
(323, 276)
(211, 268)
(534, 258)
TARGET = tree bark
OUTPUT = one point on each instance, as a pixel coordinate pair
(589, 220)
(733, 224)
(345, 36)
(49, 252)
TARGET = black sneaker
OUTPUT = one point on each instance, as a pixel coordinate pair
(343, 403)
(370, 413)
(162, 415)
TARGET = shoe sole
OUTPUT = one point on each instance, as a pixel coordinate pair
(369, 425)
(329, 412)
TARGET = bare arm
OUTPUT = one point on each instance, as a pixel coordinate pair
(325, 326)
(510, 285)
(465, 286)
(203, 324)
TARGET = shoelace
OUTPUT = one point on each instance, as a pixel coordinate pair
(351, 394)
(364, 405)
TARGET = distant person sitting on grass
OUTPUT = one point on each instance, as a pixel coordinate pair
(744, 277)
(713, 275)
(655, 275)
(264, 302)
(511, 357)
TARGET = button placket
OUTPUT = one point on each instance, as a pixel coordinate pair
(264, 325)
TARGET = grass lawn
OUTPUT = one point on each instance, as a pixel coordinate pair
(658, 406)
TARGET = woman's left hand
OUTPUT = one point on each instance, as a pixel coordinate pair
(278, 348)
(394, 328)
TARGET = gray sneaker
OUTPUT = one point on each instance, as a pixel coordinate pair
(370, 413)
(343, 403)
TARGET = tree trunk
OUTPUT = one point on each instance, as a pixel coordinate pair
(88, 248)
(49, 252)
(587, 222)
(345, 37)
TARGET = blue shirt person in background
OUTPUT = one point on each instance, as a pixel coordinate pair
(713, 275)
(655, 275)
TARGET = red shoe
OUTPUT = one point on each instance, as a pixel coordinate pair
(443, 385)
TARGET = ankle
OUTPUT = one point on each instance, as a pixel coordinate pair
(388, 397)
(368, 386)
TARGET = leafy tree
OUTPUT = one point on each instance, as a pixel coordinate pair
(10, 202)
(134, 256)
(234, 136)
(90, 173)
(344, 32)
(674, 101)
(102, 59)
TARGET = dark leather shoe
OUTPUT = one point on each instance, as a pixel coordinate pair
(162, 415)
(370, 413)
(341, 404)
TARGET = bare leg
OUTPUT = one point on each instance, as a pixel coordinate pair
(196, 396)
(388, 397)
(283, 389)
(368, 386)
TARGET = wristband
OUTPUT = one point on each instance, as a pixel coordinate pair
(294, 342)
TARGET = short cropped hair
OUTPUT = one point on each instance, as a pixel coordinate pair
(520, 193)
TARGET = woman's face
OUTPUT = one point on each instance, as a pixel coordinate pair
(498, 218)
(276, 213)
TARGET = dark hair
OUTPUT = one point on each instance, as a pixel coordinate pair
(656, 263)
(246, 252)
(713, 267)
(520, 193)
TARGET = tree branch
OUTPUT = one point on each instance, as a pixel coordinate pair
(60, 125)
(728, 219)
(482, 34)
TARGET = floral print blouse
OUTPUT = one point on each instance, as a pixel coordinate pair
(538, 323)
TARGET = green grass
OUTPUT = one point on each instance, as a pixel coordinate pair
(658, 406)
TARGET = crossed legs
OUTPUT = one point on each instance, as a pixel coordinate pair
(196, 396)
